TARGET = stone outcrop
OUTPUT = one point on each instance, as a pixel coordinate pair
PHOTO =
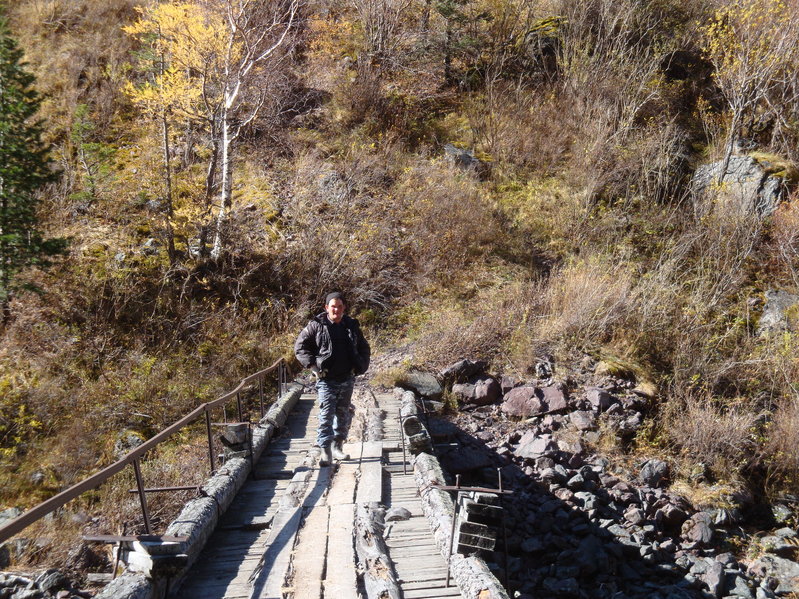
(780, 311)
(751, 184)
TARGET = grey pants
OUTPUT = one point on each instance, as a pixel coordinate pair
(335, 399)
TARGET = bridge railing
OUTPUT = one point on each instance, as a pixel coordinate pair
(134, 457)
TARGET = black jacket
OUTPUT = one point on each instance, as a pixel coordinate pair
(314, 347)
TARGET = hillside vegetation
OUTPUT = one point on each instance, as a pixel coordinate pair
(575, 233)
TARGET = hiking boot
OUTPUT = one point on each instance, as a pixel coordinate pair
(338, 452)
(326, 459)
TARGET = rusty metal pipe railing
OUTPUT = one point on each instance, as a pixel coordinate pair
(56, 501)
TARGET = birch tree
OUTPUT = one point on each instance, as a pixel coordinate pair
(221, 54)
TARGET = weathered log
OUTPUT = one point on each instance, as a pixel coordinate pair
(417, 438)
(471, 574)
(379, 578)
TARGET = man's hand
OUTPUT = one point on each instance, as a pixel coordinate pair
(318, 374)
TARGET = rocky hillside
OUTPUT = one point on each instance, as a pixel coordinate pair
(583, 521)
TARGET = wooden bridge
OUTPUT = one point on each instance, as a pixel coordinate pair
(294, 530)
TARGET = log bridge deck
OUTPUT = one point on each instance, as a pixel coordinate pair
(291, 531)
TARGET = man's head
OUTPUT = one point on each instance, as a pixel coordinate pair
(335, 306)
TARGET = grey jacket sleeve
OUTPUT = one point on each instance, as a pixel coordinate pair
(305, 347)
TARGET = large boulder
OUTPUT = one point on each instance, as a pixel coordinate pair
(779, 312)
(481, 392)
(522, 402)
(753, 184)
(784, 570)
(423, 383)
(462, 371)
(600, 399)
(555, 397)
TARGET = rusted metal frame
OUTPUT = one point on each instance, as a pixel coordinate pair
(454, 524)
(123, 538)
(142, 496)
(504, 525)
(118, 555)
(165, 489)
(56, 501)
(499, 491)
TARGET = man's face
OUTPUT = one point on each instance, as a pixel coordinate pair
(335, 310)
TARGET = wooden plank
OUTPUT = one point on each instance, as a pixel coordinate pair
(309, 563)
(340, 581)
(342, 489)
(370, 487)
(268, 584)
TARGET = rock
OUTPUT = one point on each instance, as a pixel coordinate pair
(555, 397)
(395, 514)
(423, 383)
(51, 581)
(531, 447)
(37, 478)
(126, 442)
(562, 587)
(635, 515)
(672, 517)
(150, 247)
(522, 402)
(464, 159)
(532, 545)
(543, 369)
(778, 543)
(486, 391)
(463, 392)
(9, 514)
(465, 459)
(713, 577)
(556, 474)
(576, 482)
(462, 371)
(508, 382)
(736, 585)
(583, 420)
(779, 312)
(654, 473)
(698, 529)
(749, 185)
(599, 399)
(782, 513)
(589, 501)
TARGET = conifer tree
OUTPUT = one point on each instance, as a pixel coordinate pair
(24, 168)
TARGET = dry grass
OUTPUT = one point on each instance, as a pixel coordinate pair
(719, 434)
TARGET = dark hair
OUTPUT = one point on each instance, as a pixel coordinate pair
(334, 295)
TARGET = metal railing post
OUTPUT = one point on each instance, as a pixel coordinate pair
(261, 395)
(210, 440)
(454, 525)
(142, 496)
(504, 525)
(238, 407)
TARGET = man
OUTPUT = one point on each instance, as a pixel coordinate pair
(335, 350)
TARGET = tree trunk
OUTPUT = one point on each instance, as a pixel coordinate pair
(170, 234)
(226, 191)
(736, 119)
